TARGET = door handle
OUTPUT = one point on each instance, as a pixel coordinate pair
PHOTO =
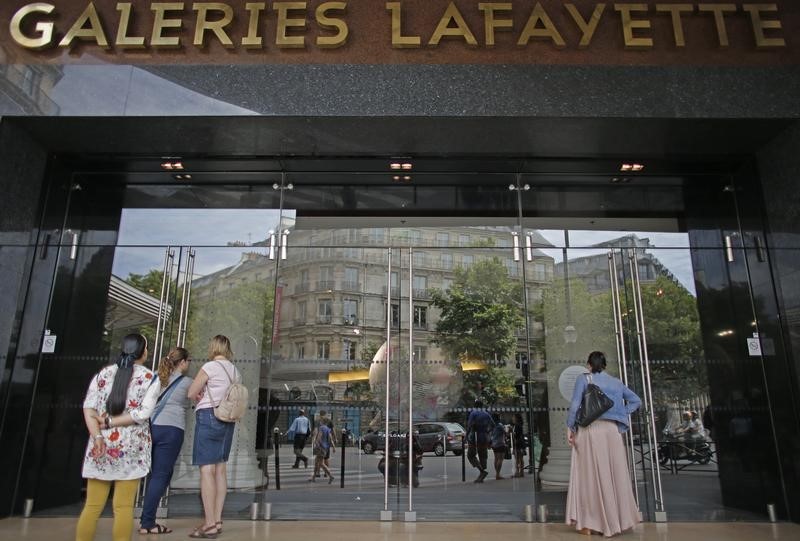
(528, 248)
(73, 251)
(515, 238)
(271, 249)
(729, 248)
(284, 241)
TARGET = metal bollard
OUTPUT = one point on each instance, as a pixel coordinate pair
(771, 513)
(529, 513)
(267, 510)
(542, 512)
(28, 509)
(254, 509)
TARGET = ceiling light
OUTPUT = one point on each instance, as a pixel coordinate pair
(395, 166)
(396, 177)
(626, 167)
(407, 166)
(637, 167)
(407, 177)
(167, 166)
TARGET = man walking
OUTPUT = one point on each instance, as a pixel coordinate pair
(301, 428)
(479, 429)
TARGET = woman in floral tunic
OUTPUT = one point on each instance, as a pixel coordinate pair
(118, 404)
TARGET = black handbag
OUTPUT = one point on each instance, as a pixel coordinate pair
(594, 403)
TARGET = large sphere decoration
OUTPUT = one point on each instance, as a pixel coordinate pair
(437, 385)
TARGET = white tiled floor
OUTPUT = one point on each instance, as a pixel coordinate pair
(56, 529)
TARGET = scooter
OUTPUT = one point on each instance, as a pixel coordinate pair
(677, 447)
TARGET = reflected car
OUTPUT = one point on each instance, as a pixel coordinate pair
(434, 437)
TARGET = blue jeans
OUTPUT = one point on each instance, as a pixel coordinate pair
(167, 441)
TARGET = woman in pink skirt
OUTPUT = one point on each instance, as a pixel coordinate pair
(600, 497)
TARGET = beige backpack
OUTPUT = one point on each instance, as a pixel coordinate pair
(234, 405)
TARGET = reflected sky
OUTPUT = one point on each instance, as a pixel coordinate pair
(128, 90)
(146, 232)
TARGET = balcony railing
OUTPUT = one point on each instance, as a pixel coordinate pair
(351, 286)
(325, 320)
(350, 320)
(302, 288)
(325, 285)
(422, 293)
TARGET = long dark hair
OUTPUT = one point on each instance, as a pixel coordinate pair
(133, 347)
(597, 360)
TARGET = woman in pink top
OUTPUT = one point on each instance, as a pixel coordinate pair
(212, 437)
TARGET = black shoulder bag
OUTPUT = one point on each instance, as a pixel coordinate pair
(594, 403)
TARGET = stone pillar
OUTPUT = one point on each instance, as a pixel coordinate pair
(555, 474)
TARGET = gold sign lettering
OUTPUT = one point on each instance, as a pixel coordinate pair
(461, 29)
(759, 25)
(285, 22)
(44, 29)
(399, 41)
(629, 25)
(587, 27)
(252, 40)
(158, 39)
(489, 21)
(548, 32)
(123, 40)
(216, 26)
(94, 32)
(331, 23)
(719, 11)
(675, 11)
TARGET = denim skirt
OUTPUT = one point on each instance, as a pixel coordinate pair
(212, 438)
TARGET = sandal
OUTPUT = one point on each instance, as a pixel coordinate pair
(155, 530)
(205, 533)
(219, 527)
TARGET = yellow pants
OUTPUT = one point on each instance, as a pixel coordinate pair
(96, 497)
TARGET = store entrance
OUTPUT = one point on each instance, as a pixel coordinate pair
(388, 305)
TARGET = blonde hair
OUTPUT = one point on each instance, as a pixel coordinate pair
(168, 364)
(220, 345)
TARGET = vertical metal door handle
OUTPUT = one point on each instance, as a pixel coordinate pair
(760, 252)
(271, 249)
(528, 248)
(515, 237)
(729, 249)
(284, 241)
(73, 251)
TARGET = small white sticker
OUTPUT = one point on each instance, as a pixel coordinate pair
(49, 343)
(754, 347)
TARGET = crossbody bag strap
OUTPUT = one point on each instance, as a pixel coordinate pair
(162, 400)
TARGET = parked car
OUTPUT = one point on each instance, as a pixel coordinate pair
(433, 436)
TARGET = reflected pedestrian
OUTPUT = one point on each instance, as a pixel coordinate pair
(301, 429)
(499, 445)
(518, 439)
(479, 428)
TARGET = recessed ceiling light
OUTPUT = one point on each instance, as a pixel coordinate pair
(407, 166)
(626, 167)
(395, 166)
(637, 167)
(407, 177)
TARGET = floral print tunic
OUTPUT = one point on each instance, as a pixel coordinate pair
(127, 453)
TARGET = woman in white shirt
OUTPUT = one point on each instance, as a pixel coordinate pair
(212, 438)
(118, 404)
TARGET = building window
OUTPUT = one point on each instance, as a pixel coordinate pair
(395, 315)
(323, 350)
(442, 239)
(421, 287)
(376, 236)
(300, 350)
(447, 261)
(467, 260)
(419, 259)
(447, 283)
(300, 313)
(325, 278)
(420, 317)
(350, 312)
(350, 279)
(414, 236)
(420, 353)
(463, 240)
(325, 311)
(349, 350)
